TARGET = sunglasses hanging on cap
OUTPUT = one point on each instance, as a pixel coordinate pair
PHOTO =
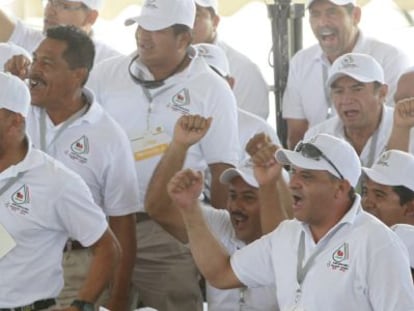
(153, 84)
(310, 151)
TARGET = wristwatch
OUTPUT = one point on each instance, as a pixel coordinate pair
(83, 305)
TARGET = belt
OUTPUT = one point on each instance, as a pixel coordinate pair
(35, 306)
(141, 216)
(72, 245)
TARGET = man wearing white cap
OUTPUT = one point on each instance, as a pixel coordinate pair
(388, 193)
(251, 89)
(246, 217)
(146, 93)
(358, 91)
(43, 204)
(67, 123)
(334, 23)
(81, 14)
(333, 256)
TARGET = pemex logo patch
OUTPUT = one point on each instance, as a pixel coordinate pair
(20, 201)
(22, 195)
(80, 146)
(341, 254)
(180, 100)
(340, 258)
(79, 150)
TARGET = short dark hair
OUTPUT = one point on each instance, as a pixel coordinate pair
(405, 194)
(80, 49)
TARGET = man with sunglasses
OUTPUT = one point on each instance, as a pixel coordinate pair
(147, 92)
(358, 90)
(81, 14)
(333, 256)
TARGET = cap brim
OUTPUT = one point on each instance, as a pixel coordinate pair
(149, 23)
(359, 78)
(227, 176)
(380, 177)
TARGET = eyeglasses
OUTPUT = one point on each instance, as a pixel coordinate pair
(61, 5)
(310, 151)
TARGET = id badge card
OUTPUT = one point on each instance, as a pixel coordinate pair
(7, 243)
(150, 144)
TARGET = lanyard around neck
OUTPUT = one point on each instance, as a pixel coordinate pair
(64, 126)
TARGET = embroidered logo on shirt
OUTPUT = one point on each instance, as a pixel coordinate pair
(19, 198)
(81, 146)
(180, 100)
(22, 195)
(340, 258)
(79, 149)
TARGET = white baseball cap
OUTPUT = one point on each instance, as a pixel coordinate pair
(92, 4)
(406, 234)
(208, 4)
(337, 2)
(160, 14)
(393, 168)
(14, 94)
(361, 67)
(214, 57)
(244, 171)
(338, 157)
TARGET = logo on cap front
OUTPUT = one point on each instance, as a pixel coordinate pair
(151, 4)
(383, 160)
(348, 62)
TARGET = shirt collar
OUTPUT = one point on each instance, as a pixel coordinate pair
(32, 159)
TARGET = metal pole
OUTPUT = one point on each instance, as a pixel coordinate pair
(286, 23)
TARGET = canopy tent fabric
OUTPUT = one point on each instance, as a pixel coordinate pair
(32, 8)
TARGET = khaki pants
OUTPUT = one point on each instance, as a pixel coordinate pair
(75, 268)
(165, 274)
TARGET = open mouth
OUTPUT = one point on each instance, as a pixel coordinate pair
(239, 219)
(297, 201)
(36, 83)
(327, 35)
(350, 113)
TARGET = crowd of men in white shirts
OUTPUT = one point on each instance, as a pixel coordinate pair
(152, 180)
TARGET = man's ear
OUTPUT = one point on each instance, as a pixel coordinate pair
(409, 210)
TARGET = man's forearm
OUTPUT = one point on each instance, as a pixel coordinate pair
(171, 162)
(104, 262)
(211, 258)
(399, 139)
(124, 230)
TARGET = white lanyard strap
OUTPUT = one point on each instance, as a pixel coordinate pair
(64, 126)
(11, 182)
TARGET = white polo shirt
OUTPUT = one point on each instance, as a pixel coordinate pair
(95, 147)
(406, 234)
(375, 145)
(30, 38)
(8, 50)
(40, 211)
(305, 96)
(250, 88)
(362, 266)
(149, 118)
(261, 298)
(250, 125)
